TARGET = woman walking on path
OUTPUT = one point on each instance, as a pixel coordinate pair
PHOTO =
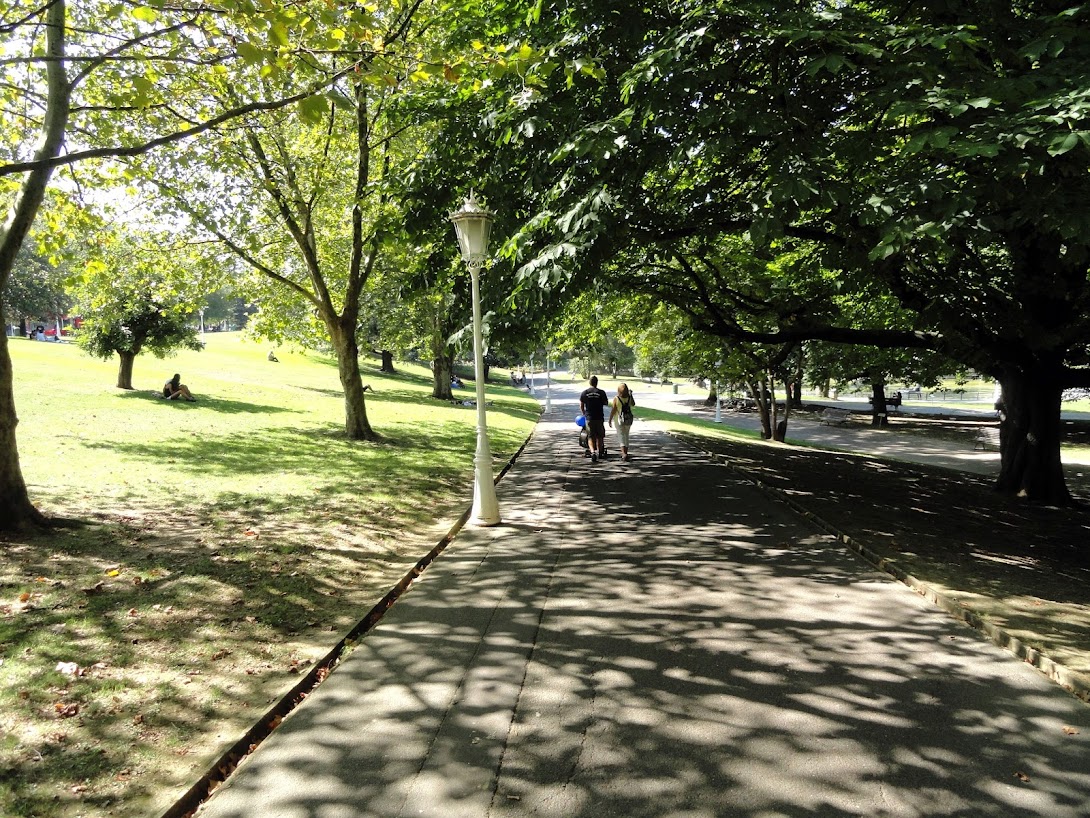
(622, 405)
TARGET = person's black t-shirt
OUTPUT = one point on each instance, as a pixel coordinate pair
(594, 402)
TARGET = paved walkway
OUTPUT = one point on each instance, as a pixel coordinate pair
(891, 442)
(659, 638)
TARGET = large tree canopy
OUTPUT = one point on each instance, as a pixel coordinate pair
(937, 153)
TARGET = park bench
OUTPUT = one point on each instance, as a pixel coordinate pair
(892, 402)
(830, 415)
(987, 438)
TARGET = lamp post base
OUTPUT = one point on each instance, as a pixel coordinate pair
(486, 509)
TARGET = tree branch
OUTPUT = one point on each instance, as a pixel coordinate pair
(138, 150)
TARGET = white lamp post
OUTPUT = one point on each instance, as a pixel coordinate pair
(548, 383)
(473, 224)
(718, 397)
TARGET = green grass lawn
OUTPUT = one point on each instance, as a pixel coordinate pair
(218, 548)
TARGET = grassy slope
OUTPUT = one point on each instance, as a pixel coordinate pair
(223, 546)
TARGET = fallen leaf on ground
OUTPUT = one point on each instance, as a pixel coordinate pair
(1070, 731)
(69, 668)
(66, 711)
(1021, 776)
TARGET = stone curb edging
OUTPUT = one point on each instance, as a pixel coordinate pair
(228, 761)
(1073, 681)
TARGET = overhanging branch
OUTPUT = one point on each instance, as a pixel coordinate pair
(138, 150)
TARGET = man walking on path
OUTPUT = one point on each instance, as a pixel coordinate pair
(592, 403)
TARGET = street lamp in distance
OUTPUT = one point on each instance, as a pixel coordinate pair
(473, 225)
(718, 398)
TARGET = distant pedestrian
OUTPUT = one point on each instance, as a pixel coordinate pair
(621, 408)
(592, 403)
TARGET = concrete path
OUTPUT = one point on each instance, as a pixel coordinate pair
(659, 638)
(892, 441)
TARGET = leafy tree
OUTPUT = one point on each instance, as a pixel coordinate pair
(933, 153)
(307, 201)
(222, 306)
(418, 303)
(36, 288)
(136, 295)
(125, 79)
(130, 322)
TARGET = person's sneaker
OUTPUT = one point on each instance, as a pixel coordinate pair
(594, 458)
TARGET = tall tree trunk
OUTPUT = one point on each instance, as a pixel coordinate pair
(387, 361)
(16, 510)
(442, 357)
(773, 408)
(879, 411)
(442, 368)
(780, 431)
(760, 394)
(1029, 436)
(347, 349)
(794, 386)
(124, 369)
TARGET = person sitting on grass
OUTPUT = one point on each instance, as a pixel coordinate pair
(174, 389)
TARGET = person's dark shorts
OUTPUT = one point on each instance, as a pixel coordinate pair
(596, 426)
